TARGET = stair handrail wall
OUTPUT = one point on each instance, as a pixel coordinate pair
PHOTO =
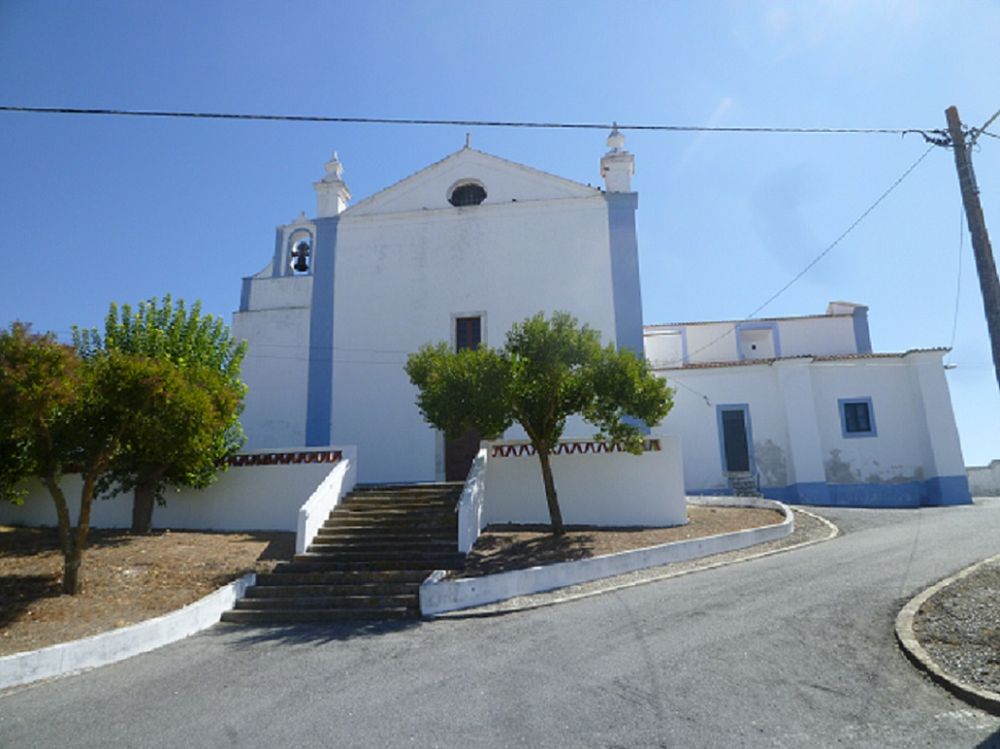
(337, 484)
(470, 505)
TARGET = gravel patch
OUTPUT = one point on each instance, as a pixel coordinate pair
(809, 529)
(959, 627)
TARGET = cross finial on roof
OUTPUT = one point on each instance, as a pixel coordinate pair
(468, 140)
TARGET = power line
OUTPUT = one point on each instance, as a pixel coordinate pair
(846, 231)
(825, 251)
(540, 125)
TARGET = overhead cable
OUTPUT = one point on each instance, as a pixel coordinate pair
(541, 125)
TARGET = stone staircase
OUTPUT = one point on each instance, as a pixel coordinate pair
(366, 562)
(743, 484)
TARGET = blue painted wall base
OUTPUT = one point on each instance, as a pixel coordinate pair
(939, 491)
(935, 492)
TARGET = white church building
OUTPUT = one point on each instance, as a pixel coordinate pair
(464, 248)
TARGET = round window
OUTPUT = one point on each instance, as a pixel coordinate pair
(469, 193)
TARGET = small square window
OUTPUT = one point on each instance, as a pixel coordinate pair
(856, 417)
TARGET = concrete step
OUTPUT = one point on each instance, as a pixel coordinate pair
(378, 543)
(368, 532)
(364, 589)
(307, 563)
(431, 486)
(299, 603)
(368, 554)
(281, 577)
(295, 616)
(389, 511)
(392, 524)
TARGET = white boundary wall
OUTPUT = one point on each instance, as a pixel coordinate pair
(984, 481)
(318, 507)
(119, 644)
(257, 497)
(594, 488)
(438, 596)
(470, 506)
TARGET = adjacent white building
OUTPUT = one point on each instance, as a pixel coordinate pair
(806, 407)
(464, 248)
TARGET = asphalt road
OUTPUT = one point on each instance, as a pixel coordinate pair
(792, 650)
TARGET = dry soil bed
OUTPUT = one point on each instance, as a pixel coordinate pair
(126, 578)
(503, 547)
(959, 627)
(131, 578)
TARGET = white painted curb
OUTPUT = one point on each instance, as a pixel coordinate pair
(439, 596)
(981, 698)
(119, 644)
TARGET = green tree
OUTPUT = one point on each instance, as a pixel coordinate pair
(547, 371)
(59, 415)
(190, 424)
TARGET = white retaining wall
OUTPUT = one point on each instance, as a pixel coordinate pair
(119, 644)
(610, 489)
(470, 507)
(264, 497)
(317, 509)
(438, 595)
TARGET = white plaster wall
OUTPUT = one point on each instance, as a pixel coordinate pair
(401, 279)
(717, 342)
(664, 347)
(817, 336)
(276, 370)
(928, 378)
(284, 292)
(695, 421)
(903, 449)
(244, 498)
(612, 489)
(712, 342)
(900, 451)
(984, 481)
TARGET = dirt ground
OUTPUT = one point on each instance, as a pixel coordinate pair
(130, 578)
(126, 578)
(513, 547)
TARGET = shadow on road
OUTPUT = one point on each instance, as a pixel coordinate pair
(243, 636)
(991, 742)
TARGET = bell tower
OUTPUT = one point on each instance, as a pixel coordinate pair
(617, 165)
(332, 194)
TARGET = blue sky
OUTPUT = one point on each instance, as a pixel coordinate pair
(94, 209)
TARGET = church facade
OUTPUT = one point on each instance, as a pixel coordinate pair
(457, 252)
(464, 248)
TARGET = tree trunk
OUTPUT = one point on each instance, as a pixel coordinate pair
(70, 550)
(71, 571)
(142, 506)
(72, 584)
(550, 492)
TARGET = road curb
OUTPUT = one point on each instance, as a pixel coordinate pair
(118, 644)
(487, 610)
(911, 647)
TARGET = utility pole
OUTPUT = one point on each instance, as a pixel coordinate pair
(985, 265)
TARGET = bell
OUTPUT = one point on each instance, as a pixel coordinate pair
(301, 254)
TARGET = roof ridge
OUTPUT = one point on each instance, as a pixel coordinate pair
(456, 154)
